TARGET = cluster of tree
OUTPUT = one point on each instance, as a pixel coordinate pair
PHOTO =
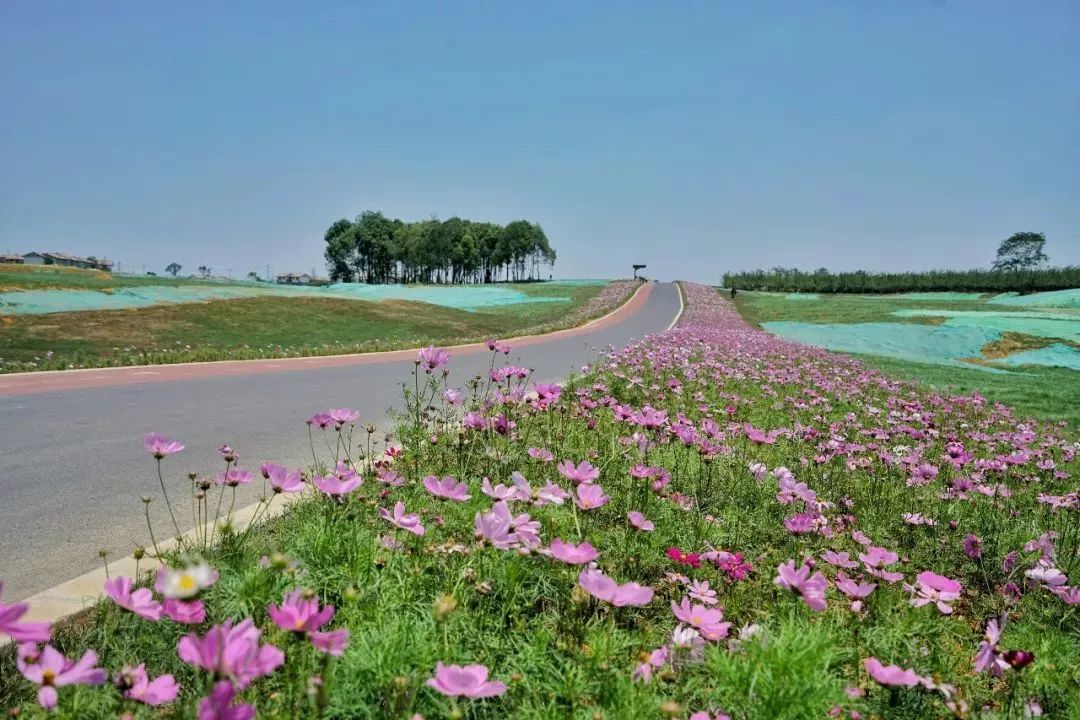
(376, 249)
(1018, 267)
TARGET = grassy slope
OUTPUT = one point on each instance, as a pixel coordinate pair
(262, 327)
(1045, 393)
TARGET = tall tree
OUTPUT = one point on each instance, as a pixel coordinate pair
(1021, 251)
(173, 268)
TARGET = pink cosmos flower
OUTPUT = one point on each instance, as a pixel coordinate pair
(579, 474)
(573, 554)
(342, 416)
(936, 589)
(591, 497)
(234, 477)
(141, 601)
(810, 587)
(758, 471)
(218, 705)
(876, 559)
(185, 612)
(470, 681)
(699, 590)
(136, 685)
(640, 521)
(892, 675)
(337, 487)
(331, 642)
(432, 358)
(403, 520)
(1047, 573)
(988, 657)
(704, 715)
(474, 420)
(448, 488)
(321, 420)
(973, 546)
(541, 454)
(550, 494)
(281, 479)
(708, 621)
(453, 397)
(857, 591)
(839, 559)
(500, 491)
(50, 670)
(1070, 595)
(231, 651)
(604, 588)
(159, 446)
(21, 632)
(299, 614)
(494, 526)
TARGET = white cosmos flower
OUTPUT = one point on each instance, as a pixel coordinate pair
(186, 582)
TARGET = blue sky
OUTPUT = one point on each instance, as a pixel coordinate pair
(697, 137)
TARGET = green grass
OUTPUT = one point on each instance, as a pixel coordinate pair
(268, 326)
(1045, 393)
(53, 277)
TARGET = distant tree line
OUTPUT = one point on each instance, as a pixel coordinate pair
(822, 281)
(376, 249)
(1017, 267)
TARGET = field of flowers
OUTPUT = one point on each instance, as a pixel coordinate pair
(713, 523)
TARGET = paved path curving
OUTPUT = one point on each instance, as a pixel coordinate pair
(72, 467)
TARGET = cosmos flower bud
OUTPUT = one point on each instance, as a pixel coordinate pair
(139, 553)
(670, 708)
(443, 607)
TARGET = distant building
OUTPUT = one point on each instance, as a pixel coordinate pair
(65, 260)
(294, 279)
(11, 259)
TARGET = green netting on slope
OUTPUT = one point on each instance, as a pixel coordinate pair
(939, 296)
(1056, 355)
(802, 296)
(1057, 298)
(462, 297)
(1032, 322)
(938, 344)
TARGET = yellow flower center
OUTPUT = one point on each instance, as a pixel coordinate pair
(187, 582)
(47, 677)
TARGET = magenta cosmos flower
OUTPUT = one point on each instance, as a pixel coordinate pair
(640, 521)
(141, 601)
(50, 670)
(403, 520)
(218, 705)
(231, 651)
(448, 488)
(892, 675)
(573, 554)
(159, 446)
(583, 473)
(302, 615)
(136, 685)
(470, 681)
(432, 358)
(20, 632)
(604, 588)
(591, 497)
(343, 415)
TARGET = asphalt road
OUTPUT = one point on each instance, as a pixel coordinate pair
(72, 467)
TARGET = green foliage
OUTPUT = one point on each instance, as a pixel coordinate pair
(1021, 251)
(1012, 279)
(376, 249)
